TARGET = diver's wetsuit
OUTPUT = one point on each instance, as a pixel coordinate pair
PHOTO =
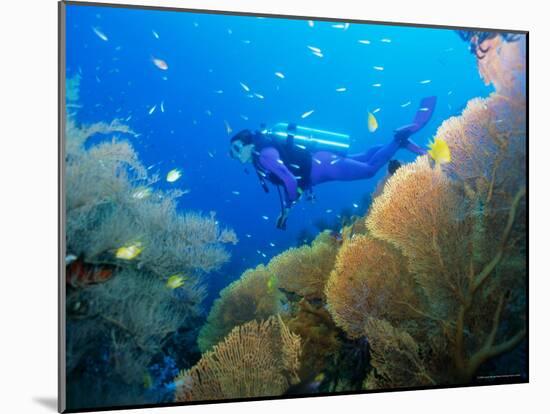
(328, 166)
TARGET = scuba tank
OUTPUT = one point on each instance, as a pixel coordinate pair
(307, 138)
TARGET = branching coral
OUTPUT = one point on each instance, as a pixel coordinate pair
(370, 279)
(251, 297)
(304, 270)
(256, 359)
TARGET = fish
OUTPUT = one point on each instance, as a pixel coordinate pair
(376, 110)
(128, 118)
(328, 210)
(100, 34)
(229, 31)
(244, 117)
(310, 23)
(147, 381)
(425, 81)
(364, 42)
(246, 42)
(385, 40)
(318, 54)
(219, 91)
(335, 161)
(372, 123)
(338, 26)
(376, 85)
(162, 106)
(80, 274)
(280, 75)
(296, 166)
(314, 49)
(405, 104)
(300, 146)
(380, 68)
(176, 281)
(341, 89)
(159, 63)
(228, 128)
(450, 93)
(316, 161)
(306, 114)
(235, 193)
(155, 34)
(257, 95)
(142, 193)
(355, 205)
(153, 108)
(271, 283)
(439, 151)
(272, 244)
(264, 255)
(424, 109)
(248, 235)
(265, 217)
(173, 175)
(129, 252)
(210, 154)
(70, 258)
(245, 87)
(208, 112)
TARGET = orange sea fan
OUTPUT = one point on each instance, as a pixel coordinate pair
(370, 279)
(256, 359)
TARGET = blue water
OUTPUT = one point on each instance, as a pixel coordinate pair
(206, 53)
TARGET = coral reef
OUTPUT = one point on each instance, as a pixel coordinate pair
(304, 270)
(251, 297)
(256, 359)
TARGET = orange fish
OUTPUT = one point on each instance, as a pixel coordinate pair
(80, 274)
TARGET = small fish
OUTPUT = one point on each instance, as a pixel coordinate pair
(186, 191)
(372, 123)
(244, 117)
(424, 109)
(208, 112)
(310, 23)
(335, 161)
(306, 114)
(405, 104)
(100, 34)
(376, 110)
(162, 106)
(450, 93)
(129, 252)
(328, 210)
(300, 146)
(280, 161)
(195, 24)
(219, 91)
(385, 40)
(248, 236)
(355, 205)
(425, 81)
(264, 255)
(229, 31)
(380, 68)
(280, 75)
(364, 42)
(272, 244)
(155, 34)
(142, 193)
(376, 85)
(272, 283)
(173, 175)
(128, 118)
(228, 128)
(70, 258)
(338, 26)
(318, 54)
(296, 166)
(439, 151)
(153, 108)
(259, 96)
(341, 89)
(314, 49)
(176, 281)
(316, 161)
(246, 42)
(265, 217)
(159, 63)
(210, 154)
(235, 193)
(245, 87)
(147, 381)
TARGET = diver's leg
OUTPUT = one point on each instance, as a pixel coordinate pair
(327, 167)
(365, 156)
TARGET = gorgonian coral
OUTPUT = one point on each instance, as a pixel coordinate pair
(256, 359)
(370, 279)
(251, 297)
(304, 270)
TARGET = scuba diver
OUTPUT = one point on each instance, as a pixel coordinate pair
(298, 158)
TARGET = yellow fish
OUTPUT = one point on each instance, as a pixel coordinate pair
(439, 151)
(271, 283)
(173, 175)
(372, 122)
(129, 252)
(147, 381)
(319, 377)
(176, 281)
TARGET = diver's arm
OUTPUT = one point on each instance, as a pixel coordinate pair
(270, 160)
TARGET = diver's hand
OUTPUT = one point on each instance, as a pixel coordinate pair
(281, 220)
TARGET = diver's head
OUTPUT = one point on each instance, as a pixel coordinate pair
(242, 146)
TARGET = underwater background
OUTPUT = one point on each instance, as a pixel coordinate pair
(160, 219)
